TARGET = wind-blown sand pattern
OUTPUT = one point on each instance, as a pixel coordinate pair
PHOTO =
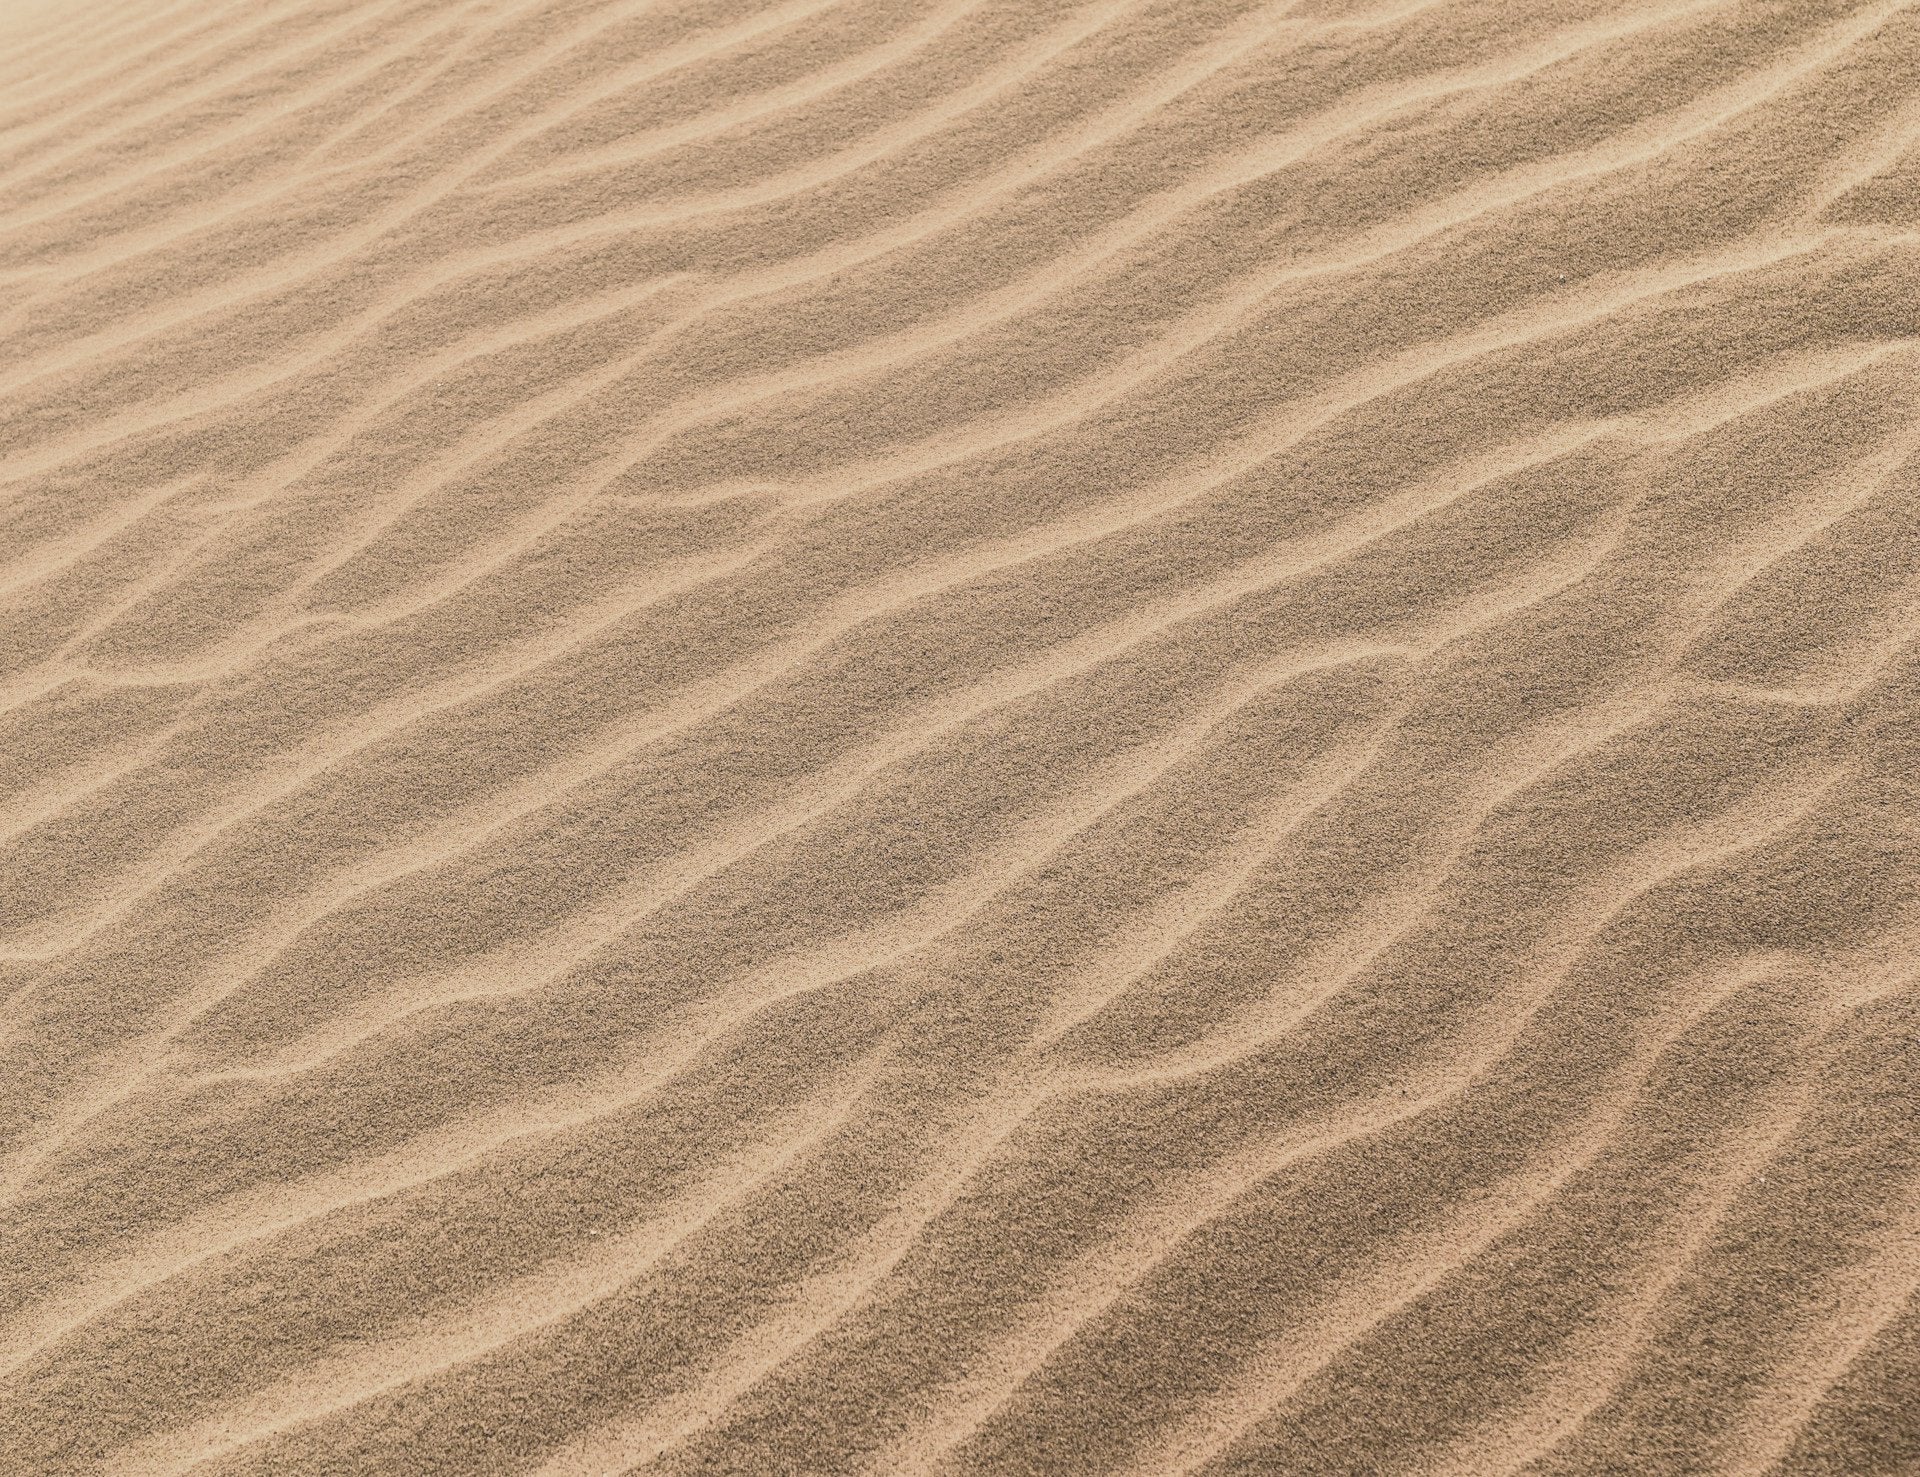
(995, 736)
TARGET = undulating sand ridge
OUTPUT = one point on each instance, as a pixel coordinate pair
(790, 736)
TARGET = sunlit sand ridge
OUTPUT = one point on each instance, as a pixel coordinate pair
(860, 736)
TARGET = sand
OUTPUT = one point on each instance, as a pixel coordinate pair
(968, 736)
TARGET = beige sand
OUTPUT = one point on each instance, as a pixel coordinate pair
(995, 736)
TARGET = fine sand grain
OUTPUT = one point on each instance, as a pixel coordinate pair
(969, 736)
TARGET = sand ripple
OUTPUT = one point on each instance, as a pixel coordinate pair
(999, 736)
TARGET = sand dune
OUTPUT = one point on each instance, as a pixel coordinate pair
(876, 736)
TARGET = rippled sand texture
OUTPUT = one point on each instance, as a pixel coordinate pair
(860, 736)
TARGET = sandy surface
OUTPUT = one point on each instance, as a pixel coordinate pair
(882, 736)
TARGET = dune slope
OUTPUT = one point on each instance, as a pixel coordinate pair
(969, 736)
